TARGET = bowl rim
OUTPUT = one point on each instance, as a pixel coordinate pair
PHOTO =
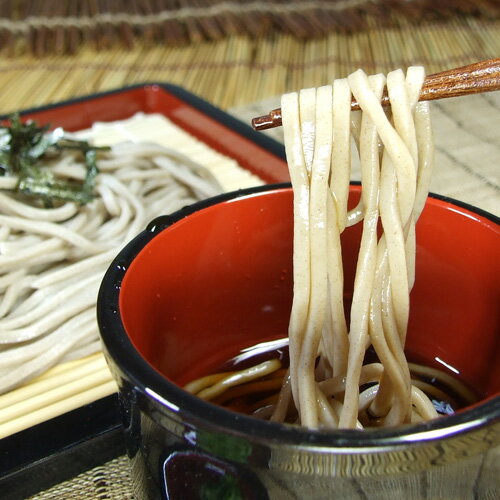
(134, 368)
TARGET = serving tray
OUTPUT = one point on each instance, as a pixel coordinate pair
(58, 449)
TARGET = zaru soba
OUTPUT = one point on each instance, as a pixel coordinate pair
(345, 365)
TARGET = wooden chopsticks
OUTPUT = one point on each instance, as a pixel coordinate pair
(474, 78)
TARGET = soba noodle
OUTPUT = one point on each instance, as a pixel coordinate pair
(327, 384)
(394, 157)
(52, 260)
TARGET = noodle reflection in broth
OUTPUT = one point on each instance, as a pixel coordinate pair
(327, 384)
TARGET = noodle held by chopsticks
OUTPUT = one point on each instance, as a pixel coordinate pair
(385, 270)
(327, 384)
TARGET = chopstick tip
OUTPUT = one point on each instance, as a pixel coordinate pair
(264, 122)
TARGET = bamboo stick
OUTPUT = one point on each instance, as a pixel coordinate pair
(67, 388)
(54, 378)
(57, 408)
(68, 365)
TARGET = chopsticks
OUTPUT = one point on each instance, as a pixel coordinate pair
(483, 76)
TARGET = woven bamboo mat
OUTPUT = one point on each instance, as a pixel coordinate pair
(61, 27)
(110, 481)
(239, 70)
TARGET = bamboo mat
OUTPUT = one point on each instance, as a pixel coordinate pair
(61, 27)
(239, 70)
(111, 481)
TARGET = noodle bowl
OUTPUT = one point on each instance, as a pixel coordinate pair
(207, 282)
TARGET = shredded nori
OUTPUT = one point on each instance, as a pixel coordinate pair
(23, 146)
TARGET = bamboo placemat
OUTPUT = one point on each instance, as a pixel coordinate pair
(110, 481)
(239, 70)
(62, 27)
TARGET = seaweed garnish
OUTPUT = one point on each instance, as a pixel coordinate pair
(23, 148)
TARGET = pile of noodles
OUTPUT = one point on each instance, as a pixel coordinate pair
(327, 384)
(52, 260)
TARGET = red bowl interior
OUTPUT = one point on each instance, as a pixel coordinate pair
(220, 280)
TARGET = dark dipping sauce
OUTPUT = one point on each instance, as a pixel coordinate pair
(263, 394)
